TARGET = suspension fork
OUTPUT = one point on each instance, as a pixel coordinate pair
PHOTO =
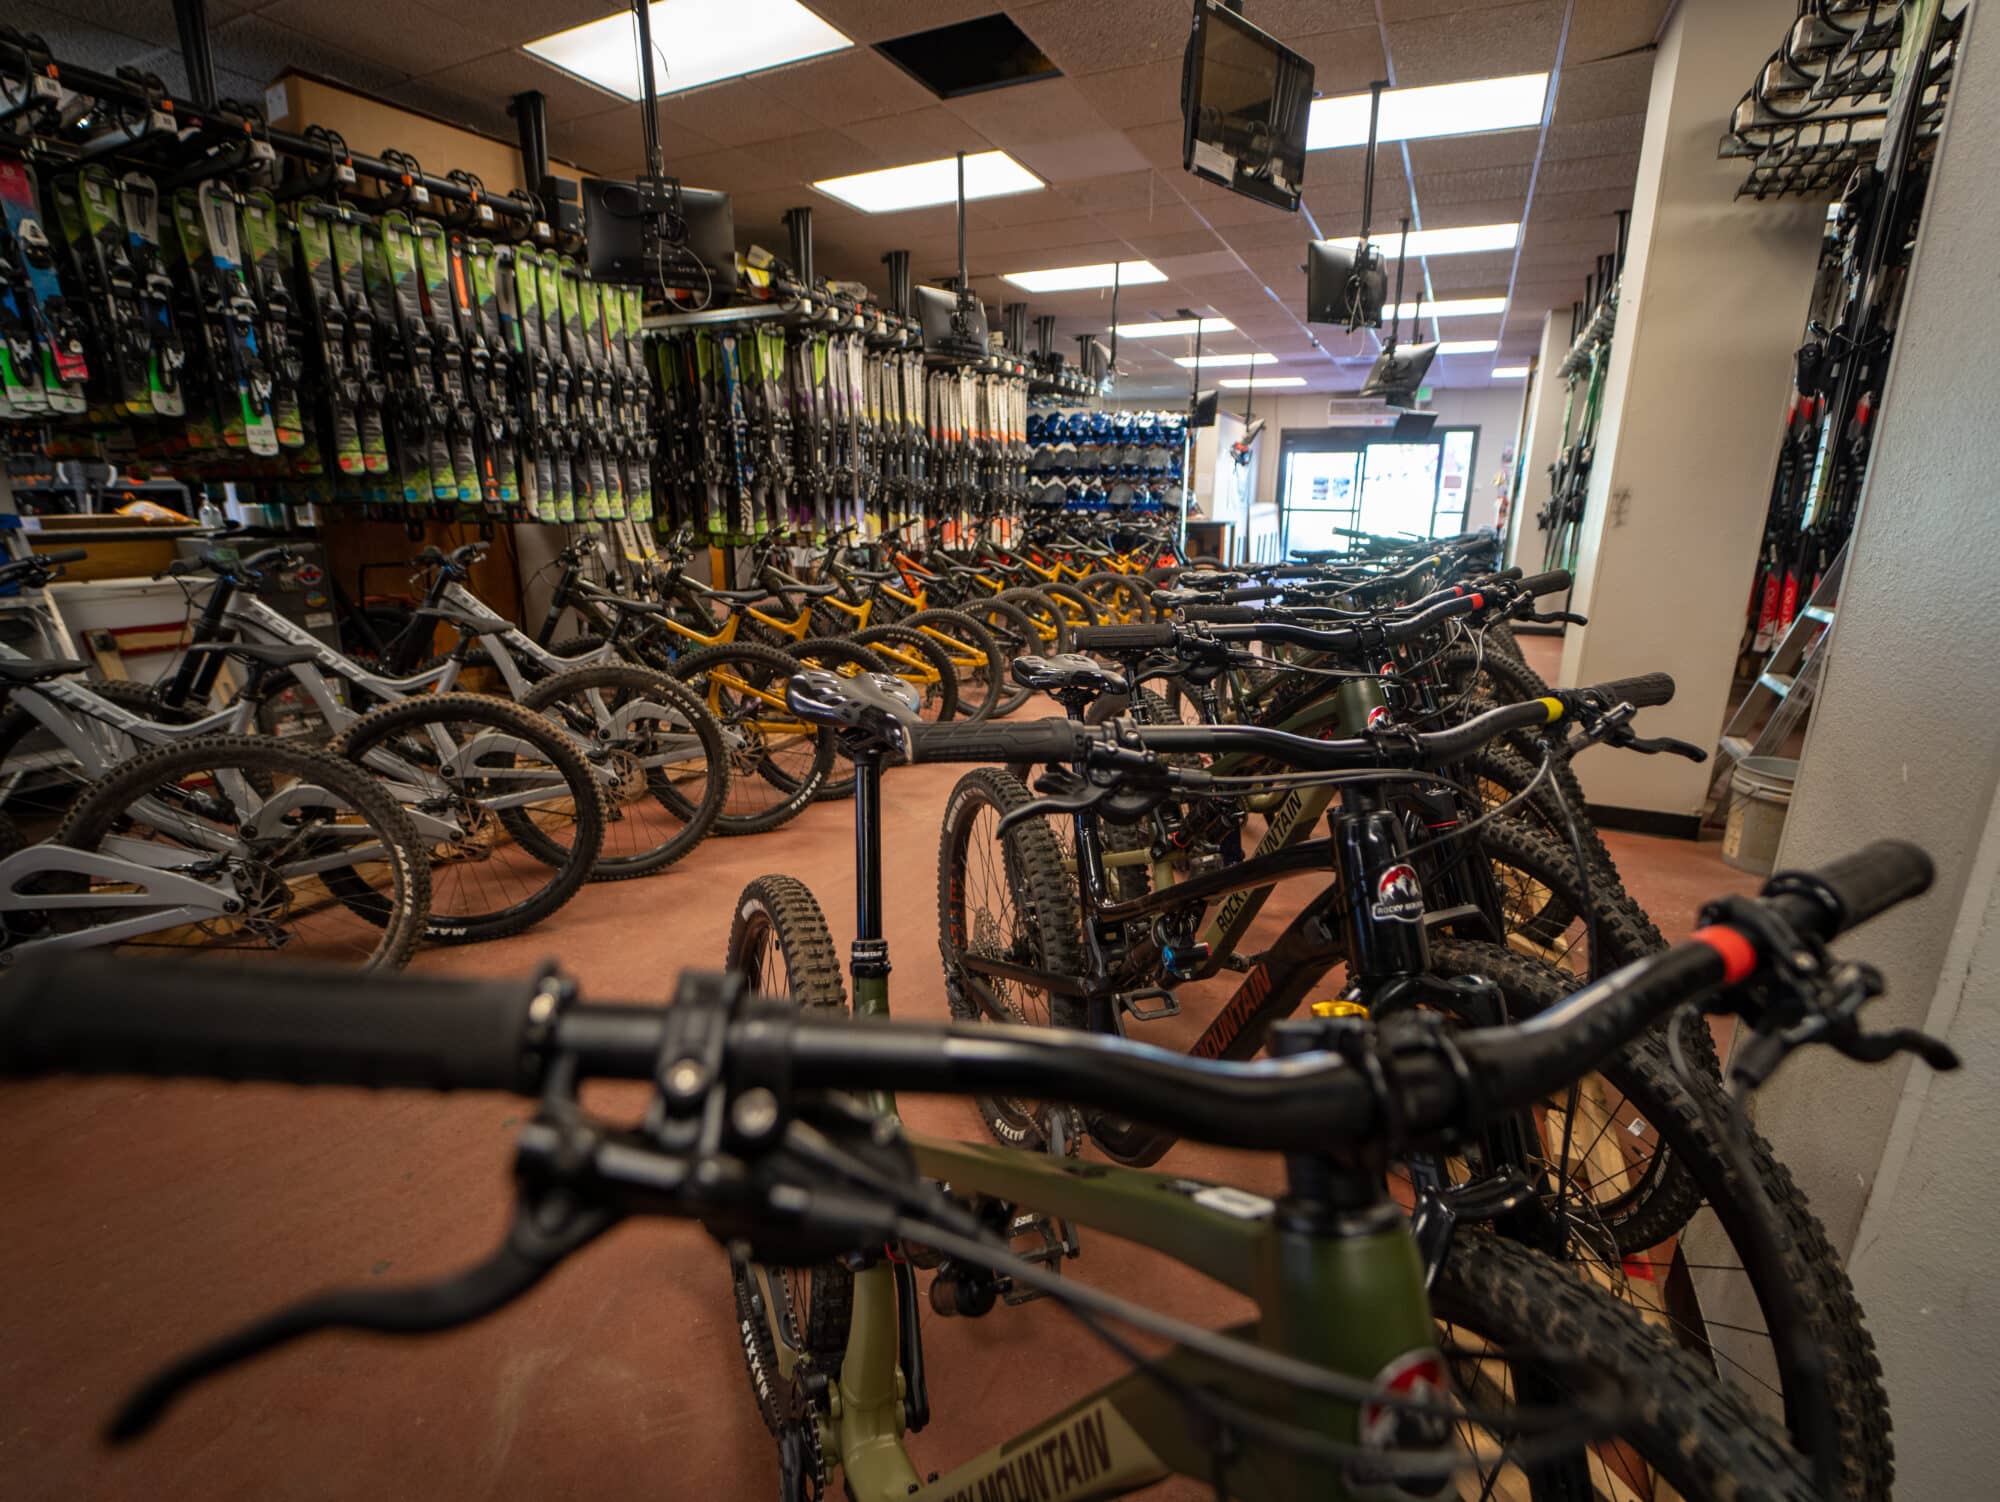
(195, 677)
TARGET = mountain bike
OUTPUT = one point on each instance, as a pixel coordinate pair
(1353, 1379)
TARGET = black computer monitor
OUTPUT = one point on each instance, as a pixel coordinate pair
(1413, 427)
(1245, 98)
(948, 328)
(1398, 372)
(1345, 285)
(1206, 405)
(660, 235)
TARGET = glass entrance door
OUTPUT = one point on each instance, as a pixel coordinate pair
(1322, 491)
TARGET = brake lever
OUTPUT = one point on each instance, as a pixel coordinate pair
(1655, 745)
(1068, 794)
(1555, 617)
(546, 1229)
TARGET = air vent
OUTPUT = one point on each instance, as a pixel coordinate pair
(969, 57)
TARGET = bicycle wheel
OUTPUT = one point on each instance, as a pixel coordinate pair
(1005, 899)
(1121, 599)
(1016, 636)
(671, 770)
(975, 657)
(321, 862)
(45, 780)
(1652, 1209)
(792, 1320)
(1050, 625)
(505, 802)
(1511, 1324)
(920, 662)
(777, 761)
(1078, 609)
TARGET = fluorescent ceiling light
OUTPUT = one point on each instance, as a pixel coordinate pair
(1461, 307)
(694, 42)
(1510, 372)
(1442, 109)
(1468, 346)
(1259, 383)
(990, 174)
(1188, 362)
(1173, 327)
(1076, 278)
(1467, 239)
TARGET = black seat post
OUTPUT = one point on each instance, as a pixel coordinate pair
(868, 961)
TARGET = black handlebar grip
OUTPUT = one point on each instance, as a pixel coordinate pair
(1224, 615)
(1555, 581)
(1032, 740)
(299, 1025)
(1139, 637)
(1646, 690)
(1294, 571)
(1870, 881)
(63, 555)
(1251, 592)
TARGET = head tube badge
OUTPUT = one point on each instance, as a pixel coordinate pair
(1391, 1430)
(1399, 896)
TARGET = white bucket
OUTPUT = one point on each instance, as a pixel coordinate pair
(1762, 794)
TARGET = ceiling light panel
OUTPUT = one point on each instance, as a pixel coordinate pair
(1510, 372)
(1460, 307)
(1261, 383)
(1188, 362)
(694, 42)
(1464, 240)
(1077, 278)
(1468, 346)
(1443, 109)
(1173, 327)
(990, 174)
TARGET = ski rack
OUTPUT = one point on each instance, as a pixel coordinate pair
(228, 125)
(1784, 126)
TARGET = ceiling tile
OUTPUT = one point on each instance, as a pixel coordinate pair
(263, 49)
(1030, 111)
(1605, 137)
(879, 20)
(1344, 61)
(1144, 189)
(1161, 248)
(1581, 173)
(512, 22)
(1181, 268)
(1167, 216)
(1487, 43)
(420, 33)
(1145, 95)
(1089, 36)
(1070, 158)
(856, 84)
(499, 76)
(1606, 26)
(920, 136)
(1499, 148)
(1596, 91)
(740, 111)
(1482, 183)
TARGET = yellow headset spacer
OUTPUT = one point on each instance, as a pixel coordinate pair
(1339, 1008)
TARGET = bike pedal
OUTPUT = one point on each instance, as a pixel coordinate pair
(1128, 1004)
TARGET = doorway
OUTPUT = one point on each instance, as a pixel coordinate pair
(1365, 480)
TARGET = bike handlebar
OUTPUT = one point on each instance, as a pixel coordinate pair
(94, 1014)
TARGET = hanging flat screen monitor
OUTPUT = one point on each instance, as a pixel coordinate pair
(1345, 285)
(638, 233)
(1205, 405)
(1399, 372)
(1244, 102)
(948, 328)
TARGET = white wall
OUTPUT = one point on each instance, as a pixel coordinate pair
(1494, 410)
(1898, 1162)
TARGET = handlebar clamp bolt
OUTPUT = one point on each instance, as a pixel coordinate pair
(755, 1114)
(685, 1079)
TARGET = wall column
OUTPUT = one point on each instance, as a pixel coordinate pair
(1541, 436)
(1902, 743)
(1713, 304)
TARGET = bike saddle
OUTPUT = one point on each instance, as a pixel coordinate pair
(1068, 672)
(811, 591)
(868, 706)
(273, 654)
(737, 596)
(875, 575)
(478, 622)
(38, 669)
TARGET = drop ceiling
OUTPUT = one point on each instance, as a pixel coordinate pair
(1105, 136)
